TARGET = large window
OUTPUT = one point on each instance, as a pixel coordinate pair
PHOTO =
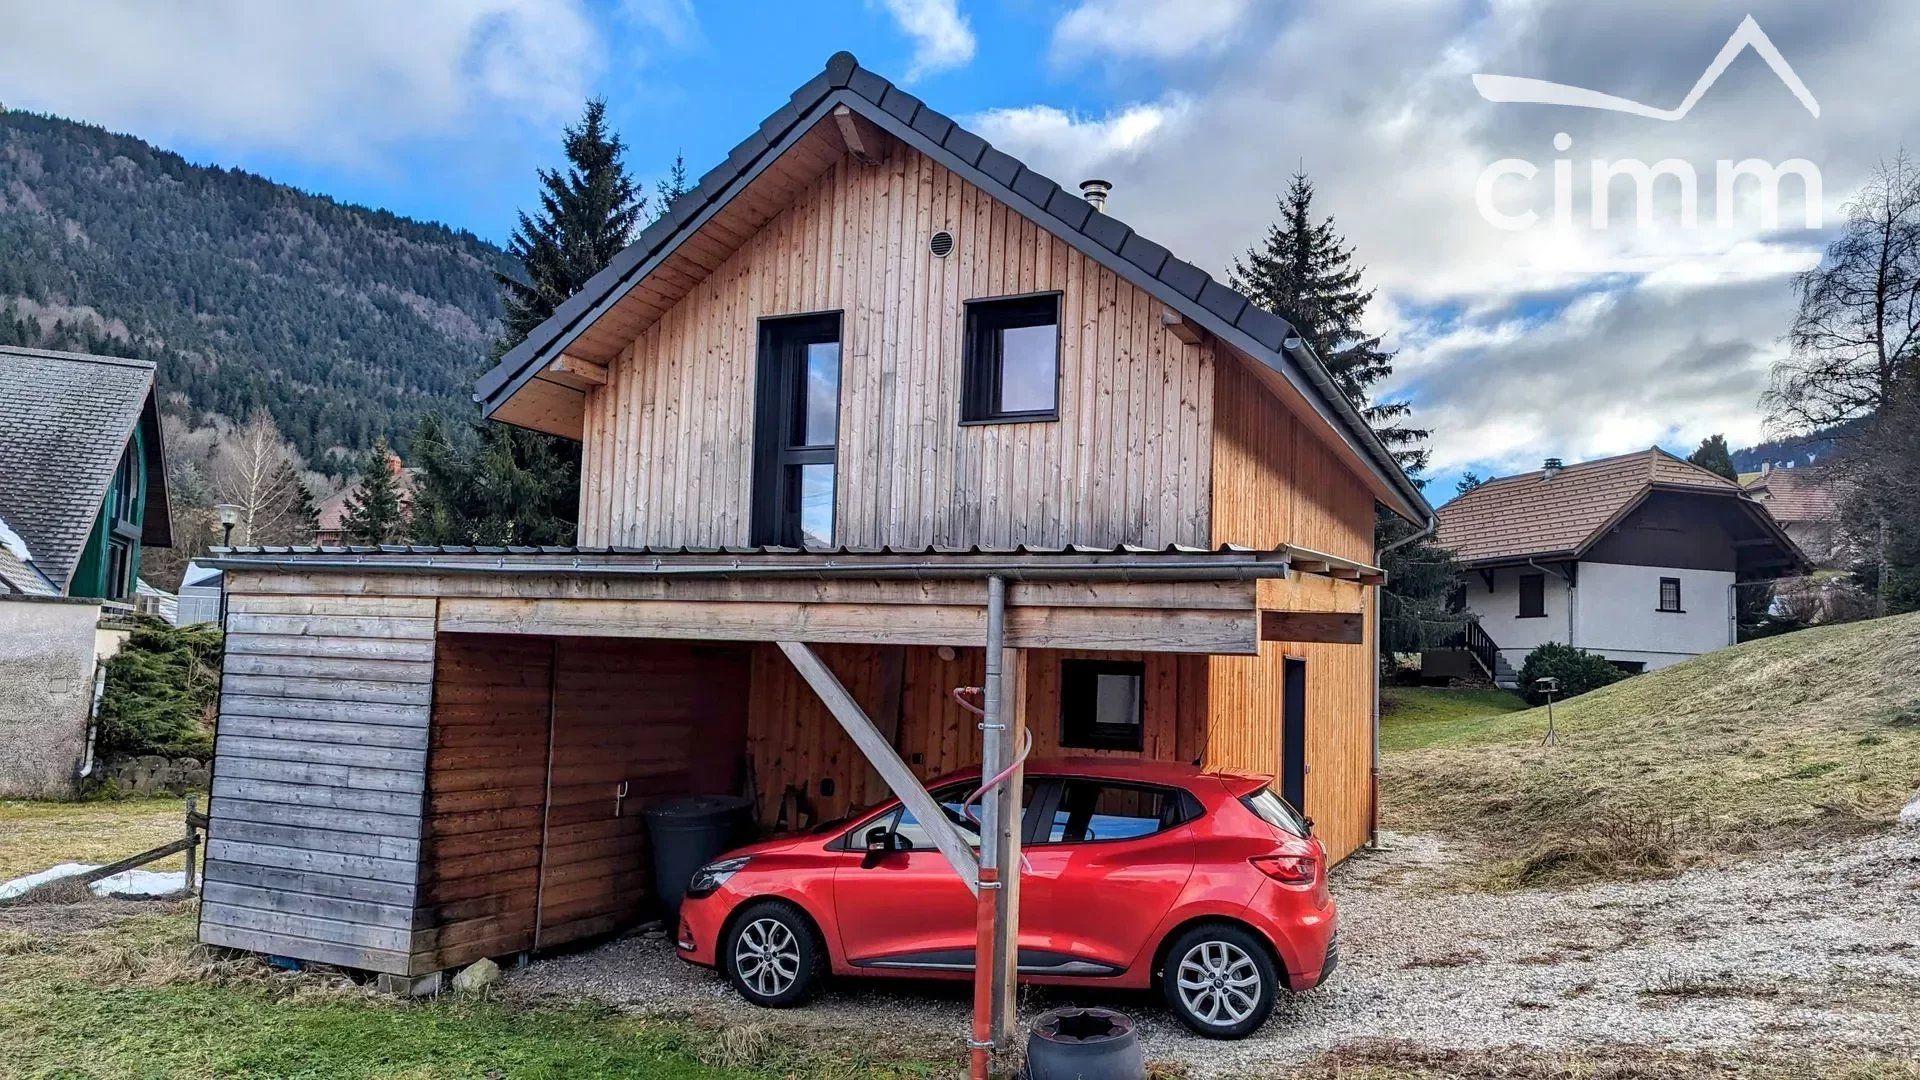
(1670, 594)
(1012, 360)
(1100, 704)
(1533, 596)
(797, 438)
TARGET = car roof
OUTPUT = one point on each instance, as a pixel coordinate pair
(1174, 773)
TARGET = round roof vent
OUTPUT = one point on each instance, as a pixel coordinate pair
(941, 245)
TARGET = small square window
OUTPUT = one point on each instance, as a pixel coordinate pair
(1012, 360)
(1533, 596)
(1670, 594)
(1100, 704)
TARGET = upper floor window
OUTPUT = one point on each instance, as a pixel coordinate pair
(1670, 594)
(1012, 360)
(126, 486)
(1100, 704)
(1533, 596)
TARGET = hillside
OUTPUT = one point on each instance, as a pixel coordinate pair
(1782, 742)
(346, 323)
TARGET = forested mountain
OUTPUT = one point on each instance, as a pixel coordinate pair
(345, 323)
(1796, 450)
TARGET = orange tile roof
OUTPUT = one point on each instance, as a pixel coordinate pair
(1528, 515)
(1795, 495)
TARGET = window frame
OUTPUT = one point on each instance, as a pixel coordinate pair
(1540, 582)
(1678, 608)
(983, 364)
(1080, 724)
(780, 452)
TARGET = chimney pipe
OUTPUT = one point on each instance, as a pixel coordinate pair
(1095, 192)
(1550, 468)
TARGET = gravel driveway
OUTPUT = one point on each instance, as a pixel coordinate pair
(1805, 953)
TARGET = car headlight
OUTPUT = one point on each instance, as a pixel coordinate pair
(713, 875)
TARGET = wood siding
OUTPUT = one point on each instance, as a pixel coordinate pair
(1275, 482)
(313, 841)
(667, 453)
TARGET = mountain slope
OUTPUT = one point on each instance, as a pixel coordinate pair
(345, 322)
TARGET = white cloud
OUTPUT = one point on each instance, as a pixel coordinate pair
(331, 82)
(941, 36)
(673, 21)
(1146, 28)
(1566, 340)
(1090, 143)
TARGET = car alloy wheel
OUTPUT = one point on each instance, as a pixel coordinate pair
(767, 957)
(1219, 983)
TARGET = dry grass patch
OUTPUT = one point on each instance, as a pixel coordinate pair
(37, 835)
(1789, 741)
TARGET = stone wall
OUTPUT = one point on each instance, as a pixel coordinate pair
(46, 693)
(151, 774)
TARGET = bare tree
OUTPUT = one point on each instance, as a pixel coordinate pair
(257, 469)
(1859, 322)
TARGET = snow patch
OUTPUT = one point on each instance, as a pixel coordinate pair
(1910, 813)
(126, 885)
(12, 542)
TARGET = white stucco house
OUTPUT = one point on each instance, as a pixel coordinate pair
(1635, 557)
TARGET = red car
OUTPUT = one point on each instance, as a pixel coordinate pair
(1137, 873)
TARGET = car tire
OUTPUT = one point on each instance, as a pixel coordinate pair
(772, 955)
(1220, 980)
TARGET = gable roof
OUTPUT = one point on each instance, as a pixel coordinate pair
(65, 419)
(1796, 495)
(1186, 289)
(1530, 516)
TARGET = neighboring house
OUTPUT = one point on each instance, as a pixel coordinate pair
(199, 597)
(332, 511)
(1634, 557)
(82, 493)
(156, 602)
(1806, 504)
(870, 395)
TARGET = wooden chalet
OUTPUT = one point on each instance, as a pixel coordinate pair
(872, 413)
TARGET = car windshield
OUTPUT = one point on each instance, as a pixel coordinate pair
(1274, 810)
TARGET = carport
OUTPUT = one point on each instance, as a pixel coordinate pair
(427, 756)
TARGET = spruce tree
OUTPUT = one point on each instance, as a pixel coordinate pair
(671, 186)
(1467, 482)
(1304, 272)
(375, 513)
(1714, 456)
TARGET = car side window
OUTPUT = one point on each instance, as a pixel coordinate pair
(1094, 810)
(950, 799)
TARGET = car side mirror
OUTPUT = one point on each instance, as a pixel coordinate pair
(881, 842)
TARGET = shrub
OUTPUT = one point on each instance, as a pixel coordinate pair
(160, 692)
(1577, 670)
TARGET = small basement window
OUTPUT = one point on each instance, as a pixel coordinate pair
(1670, 594)
(1533, 596)
(1100, 704)
(1012, 360)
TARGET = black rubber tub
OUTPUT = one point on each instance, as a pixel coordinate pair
(1084, 1044)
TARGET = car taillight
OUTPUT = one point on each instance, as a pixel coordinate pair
(1287, 869)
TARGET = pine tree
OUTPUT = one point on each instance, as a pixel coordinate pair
(587, 216)
(1714, 456)
(1467, 482)
(1304, 272)
(375, 513)
(671, 186)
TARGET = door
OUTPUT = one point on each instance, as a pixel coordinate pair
(908, 909)
(1293, 734)
(796, 434)
(1109, 863)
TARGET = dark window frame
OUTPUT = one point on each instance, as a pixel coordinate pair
(1080, 725)
(1677, 608)
(779, 425)
(1538, 583)
(982, 364)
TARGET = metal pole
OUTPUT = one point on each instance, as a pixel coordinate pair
(992, 751)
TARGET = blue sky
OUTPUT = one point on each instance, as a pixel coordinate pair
(1566, 338)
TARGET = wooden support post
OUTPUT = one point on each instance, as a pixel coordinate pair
(881, 754)
(193, 842)
(863, 140)
(1006, 924)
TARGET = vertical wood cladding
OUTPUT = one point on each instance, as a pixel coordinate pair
(667, 454)
(1275, 482)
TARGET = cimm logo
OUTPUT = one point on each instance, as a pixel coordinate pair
(1680, 173)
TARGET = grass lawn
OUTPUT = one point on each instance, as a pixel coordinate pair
(91, 990)
(36, 835)
(1772, 744)
(1417, 717)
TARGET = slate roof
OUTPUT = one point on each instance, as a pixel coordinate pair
(1796, 495)
(22, 577)
(65, 419)
(1183, 286)
(1528, 516)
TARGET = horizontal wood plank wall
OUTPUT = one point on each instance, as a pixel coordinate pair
(668, 441)
(666, 719)
(1275, 482)
(795, 741)
(313, 838)
(486, 786)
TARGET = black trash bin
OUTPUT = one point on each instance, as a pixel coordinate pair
(689, 833)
